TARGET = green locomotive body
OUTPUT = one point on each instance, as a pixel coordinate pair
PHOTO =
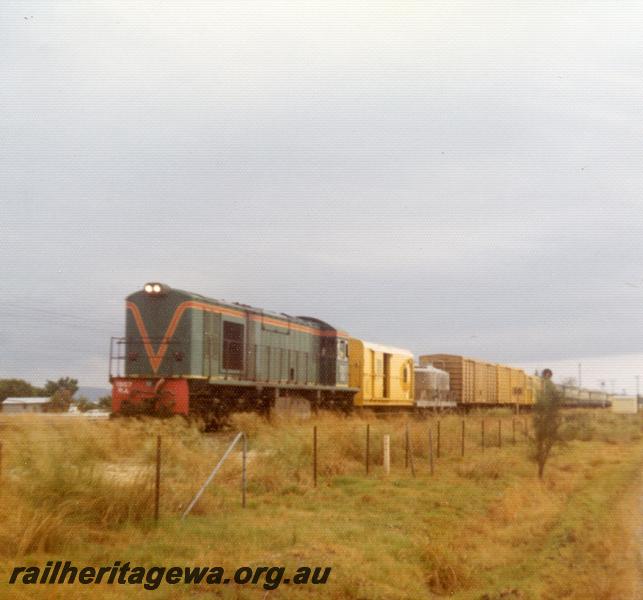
(192, 354)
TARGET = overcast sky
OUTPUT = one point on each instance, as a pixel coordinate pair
(463, 176)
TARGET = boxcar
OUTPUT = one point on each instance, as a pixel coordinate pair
(480, 383)
(503, 374)
(518, 386)
(534, 386)
(383, 374)
(462, 375)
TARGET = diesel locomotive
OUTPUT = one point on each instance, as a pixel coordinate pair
(188, 354)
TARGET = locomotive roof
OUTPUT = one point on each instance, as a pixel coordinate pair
(308, 321)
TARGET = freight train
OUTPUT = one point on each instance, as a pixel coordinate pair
(188, 354)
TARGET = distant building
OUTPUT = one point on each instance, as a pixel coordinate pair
(24, 405)
(625, 405)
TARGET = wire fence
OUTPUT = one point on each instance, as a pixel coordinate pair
(58, 477)
(121, 471)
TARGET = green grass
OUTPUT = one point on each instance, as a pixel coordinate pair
(482, 526)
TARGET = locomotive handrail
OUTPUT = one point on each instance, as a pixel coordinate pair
(118, 355)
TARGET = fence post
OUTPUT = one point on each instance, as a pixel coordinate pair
(368, 446)
(411, 460)
(482, 434)
(315, 456)
(244, 454)
(157, 487)
(431, 450)
(0, 461)
(406, 447)
(462, 450)
(499, 433)
(386, 441)
(513, 431)
(438, 446)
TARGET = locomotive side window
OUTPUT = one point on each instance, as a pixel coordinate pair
(342, 349)
(232, 346)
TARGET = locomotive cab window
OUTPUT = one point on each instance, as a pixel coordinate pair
(342, 349)
(233, 346)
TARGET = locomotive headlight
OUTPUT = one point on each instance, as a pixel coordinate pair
(155, 289)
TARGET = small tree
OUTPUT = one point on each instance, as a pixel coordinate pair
(547, 420)
(84, 404)
(105, 403)
(64, 383)
(59, 402)
(19, 388)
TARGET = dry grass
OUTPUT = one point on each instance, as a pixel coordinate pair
(446, 569)
(482, 526)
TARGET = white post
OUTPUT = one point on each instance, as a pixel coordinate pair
(244, 453)
(387, 454)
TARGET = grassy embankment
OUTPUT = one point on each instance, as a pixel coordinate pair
(483, 526)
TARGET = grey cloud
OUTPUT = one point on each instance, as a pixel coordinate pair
(461, 177)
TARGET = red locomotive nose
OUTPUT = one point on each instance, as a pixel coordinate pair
(162, 395)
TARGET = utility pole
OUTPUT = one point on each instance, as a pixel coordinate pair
(637, 389)
(580, 378)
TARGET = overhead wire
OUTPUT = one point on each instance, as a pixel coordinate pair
(21, 306)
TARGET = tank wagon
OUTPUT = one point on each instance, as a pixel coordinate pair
(432, 388)
(185, 353)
